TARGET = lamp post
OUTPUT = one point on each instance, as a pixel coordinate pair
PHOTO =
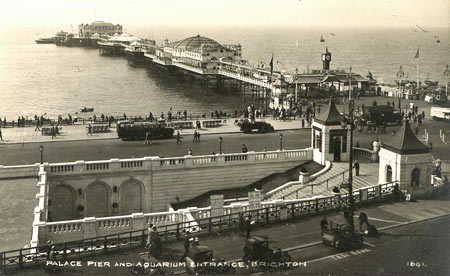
(220, 144)
(349, 119)
(349, 76)
(281, 141)
(446, 74)
(400, 76)
(41, 150)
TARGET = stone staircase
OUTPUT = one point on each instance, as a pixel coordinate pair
(323, 185)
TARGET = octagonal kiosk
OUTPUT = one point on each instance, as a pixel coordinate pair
(330, 142)
(407, 160)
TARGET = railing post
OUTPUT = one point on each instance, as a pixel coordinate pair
(105, 244)
(267, 215)
(317, 205)
(178, 231)
(20, 259)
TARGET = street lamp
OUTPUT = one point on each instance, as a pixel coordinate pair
(281, 141)
(220, 144)
(446, 74)
(349, 118)
(41, 150)
(349, 76)
(400, 76)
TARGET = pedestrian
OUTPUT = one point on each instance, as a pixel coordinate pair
(244, 148)
(195, 136)
(52, 130)
(186, 243)
(185, 114)
(147, 138)
(356, 166)
(1, 135)
(90, 129)
(189, 152)
(51, 257)
(37, 128)
(324, 224)
(241, 224)
(303, 122)
(416, 130)
(149, 239)
(156, 243)
(248, 227)
(198, 136)
(178, 137)
(362, 219)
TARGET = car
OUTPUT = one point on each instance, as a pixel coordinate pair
(257, 250)
(338, 237)
(260, 127)
(202, 254)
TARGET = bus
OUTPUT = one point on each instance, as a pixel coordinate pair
(440, 113)
(127, 130)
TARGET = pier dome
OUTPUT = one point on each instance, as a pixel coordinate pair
(195, 42)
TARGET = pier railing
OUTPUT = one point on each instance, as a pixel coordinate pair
(188, 161)
(269, 212)
(245, 78)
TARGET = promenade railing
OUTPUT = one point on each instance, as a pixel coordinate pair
(269, 213)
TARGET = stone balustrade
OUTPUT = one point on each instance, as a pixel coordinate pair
(366, 153)
(93, 227)
(188, 161)
(19, 171)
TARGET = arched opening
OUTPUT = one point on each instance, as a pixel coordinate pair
(97, 198)
(62, 198)
(130, 193)
(415, 177)
(388, 173)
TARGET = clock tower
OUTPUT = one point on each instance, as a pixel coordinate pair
(326, 59)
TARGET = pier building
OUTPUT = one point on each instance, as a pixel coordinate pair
(99, 28)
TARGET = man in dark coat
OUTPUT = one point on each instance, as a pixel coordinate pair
(323, 224)
(248, 227)
(186, 243)
(356, 166)
(241, 224)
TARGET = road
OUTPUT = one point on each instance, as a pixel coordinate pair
(416, 249)
(67, 151)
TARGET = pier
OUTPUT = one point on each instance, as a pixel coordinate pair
(222, 68)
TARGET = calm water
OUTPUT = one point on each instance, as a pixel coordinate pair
(38, 79)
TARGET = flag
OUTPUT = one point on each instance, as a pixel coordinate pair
(271, 65)
(417, 53)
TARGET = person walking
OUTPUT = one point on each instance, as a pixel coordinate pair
(37, 128)
(356, 166)
(149, 244)
(303, 123)
(1, 135)
(324, 224)
(241, 224)
(189, 152)
(195, 136)
(186, 243)
(89, 129)
(248, 227)
(148, 139)
(178, 137)
(156, 243)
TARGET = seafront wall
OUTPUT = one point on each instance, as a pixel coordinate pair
(125, 186)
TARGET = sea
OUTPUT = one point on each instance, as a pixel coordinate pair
(53, 80)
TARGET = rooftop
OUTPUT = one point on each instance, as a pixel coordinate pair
(405, 142)
(330, 116)
(195, 42)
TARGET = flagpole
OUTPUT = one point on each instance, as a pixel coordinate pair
(418, 70)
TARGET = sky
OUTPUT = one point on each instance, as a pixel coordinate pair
(308, 13)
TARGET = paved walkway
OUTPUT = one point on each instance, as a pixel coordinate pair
(79, 132)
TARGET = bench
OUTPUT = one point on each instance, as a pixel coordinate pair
(181, 125)
(212, 123)
(98, 129)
